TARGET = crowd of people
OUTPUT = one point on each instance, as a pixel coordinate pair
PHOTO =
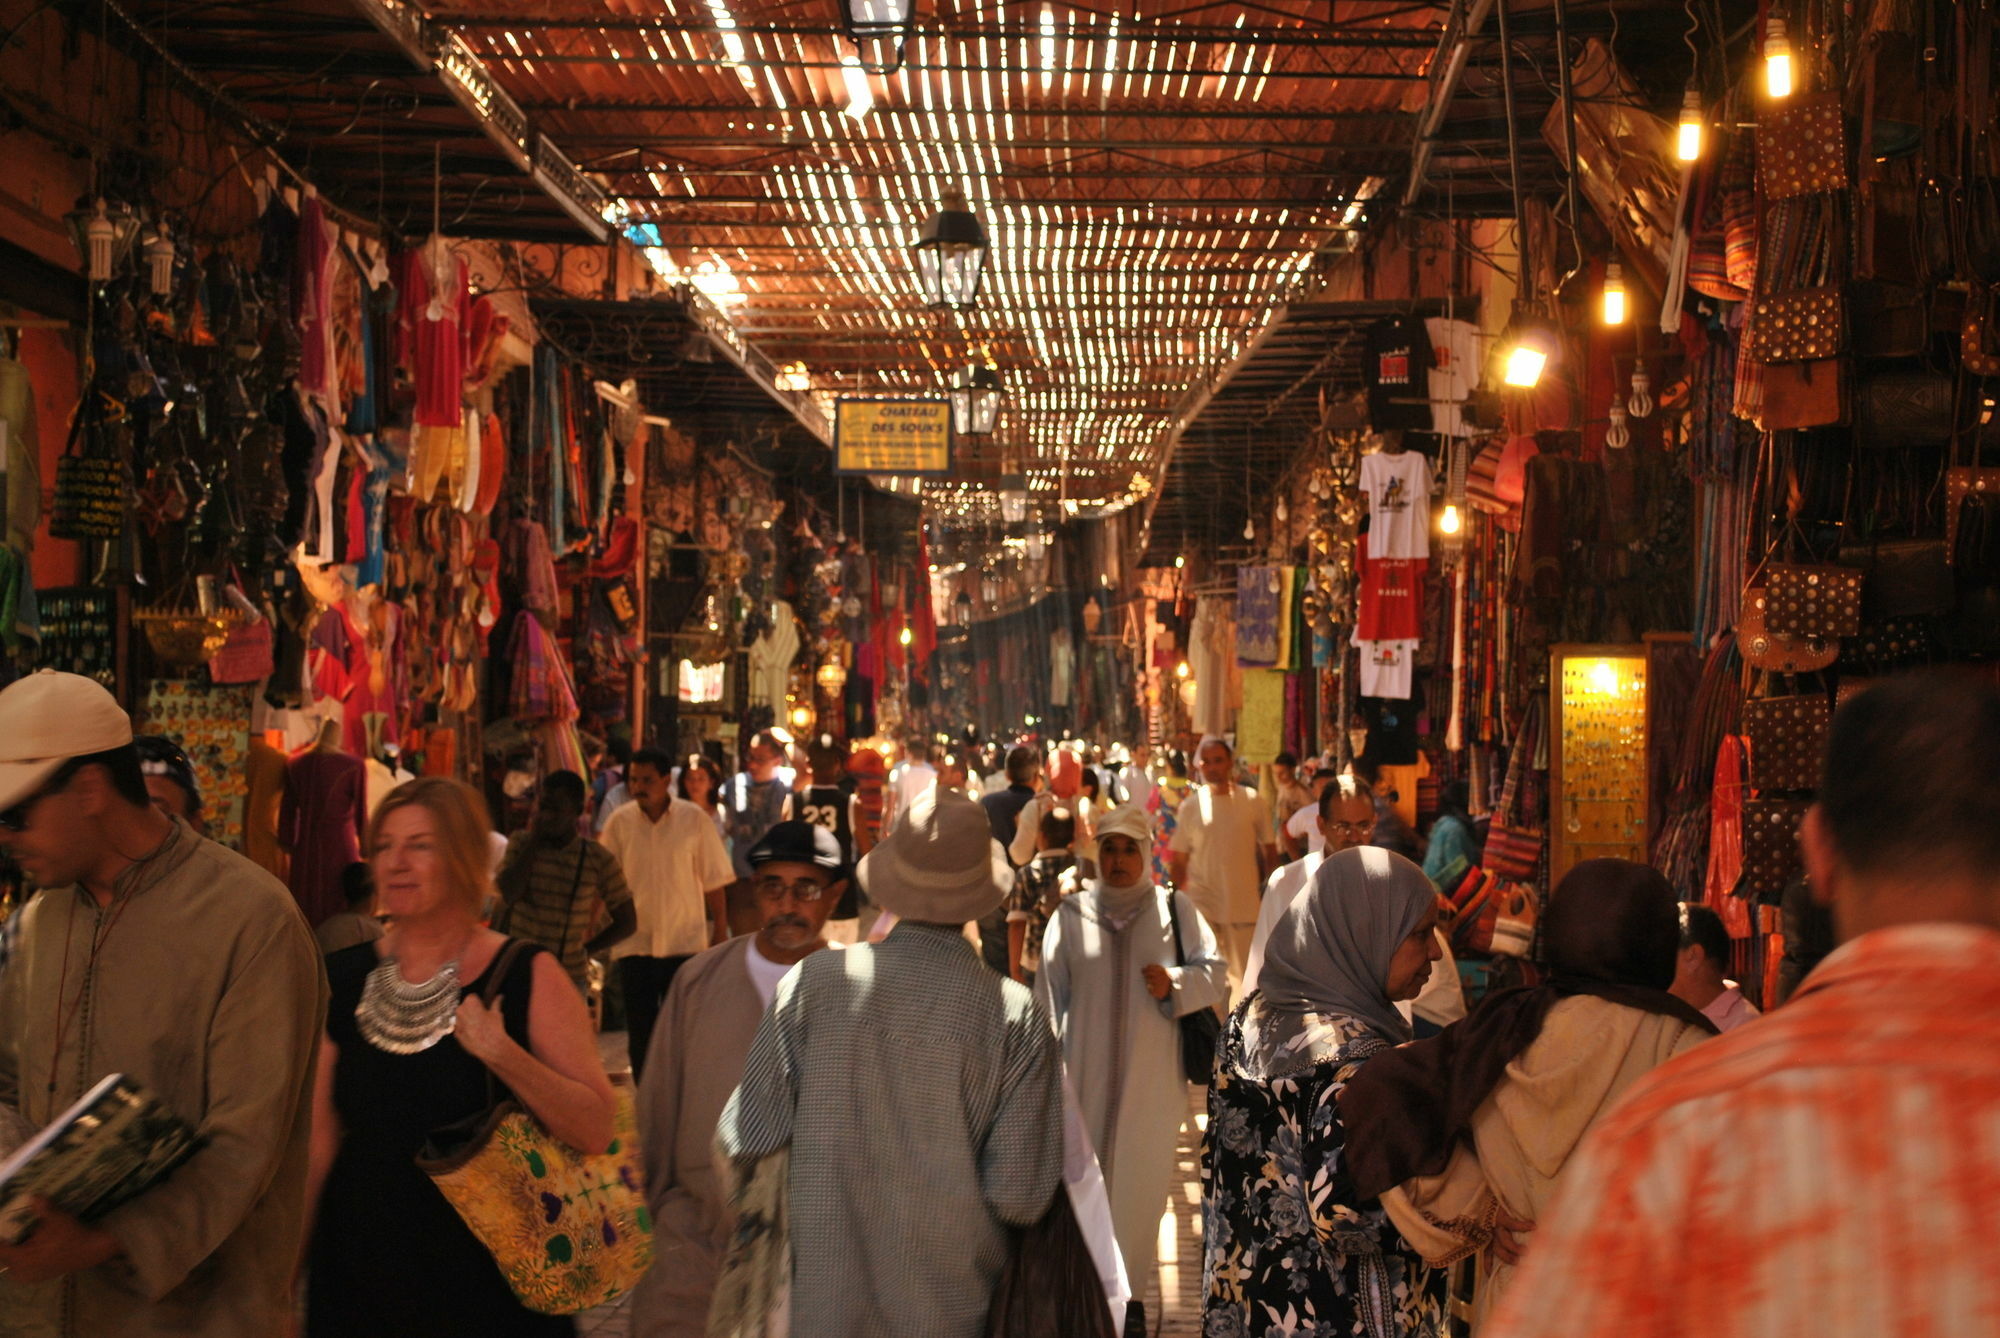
(914, 1046)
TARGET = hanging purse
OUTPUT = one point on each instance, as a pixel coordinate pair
(1787, 737)
(1901, 409)
(1812, 600)
(1771, 856)
(1804, 394)
(569, 1231)
(1201, 1030)
(1775, 653)
(1960, 482)
(1513, 843)
(1905, 578)
(1802, 147)
(246, 655)
(90, 480)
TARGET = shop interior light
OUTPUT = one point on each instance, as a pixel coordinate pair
(1687, 144)
(951, 255)
(1530, 344)
(906, 636)
(1181, 670)
(975, 401)
(159, 250)
(1604, 678)
(831, 677)
(1449, 522)
(1777, 59)
(1614, 294)
(802, 718)
(879, 28)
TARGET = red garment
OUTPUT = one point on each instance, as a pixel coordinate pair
(492, 464)
(1826, 1170)
(1391, 606)
(312, 299)
(321, 821)
(435, 348)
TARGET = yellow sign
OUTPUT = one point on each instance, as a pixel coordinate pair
(892, 436)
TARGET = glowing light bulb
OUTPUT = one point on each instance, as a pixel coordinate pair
(1777, 60)
(1179, 563)
(906, 636)
(1181, 670)
(1604, 678)
(1614, 294)
(1524, 366)
(1449, 522)
(1687, 144)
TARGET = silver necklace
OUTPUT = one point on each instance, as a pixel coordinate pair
(404, 1018)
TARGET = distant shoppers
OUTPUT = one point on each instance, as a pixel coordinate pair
(1164, 809)
(1451, 837)
(705, 1031)
(1300, 836)
(1699, 971)
(1346, 815)
(1473, 1129)
(158, 954)
(829, 807)
(679, 875)
(1292, 1246)
(1222, 849)
(1115, 992)
(410, 1048)
(1827, 1172)
(170, 779)
(754, 801)
(555, 885)
(607, 792)
(358, 923)
(919, 1095)
(1038, 888)
(1004, 814)
(1288, 793)
(700, 784)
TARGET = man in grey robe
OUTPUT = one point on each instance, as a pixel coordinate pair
(944, 1077)
(1111, 986)
(710, 1017)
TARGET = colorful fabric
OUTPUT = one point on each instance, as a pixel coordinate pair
(1861, 1206)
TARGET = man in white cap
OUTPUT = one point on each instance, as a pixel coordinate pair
(1116, 989)
(942, 1075)
(155, 953)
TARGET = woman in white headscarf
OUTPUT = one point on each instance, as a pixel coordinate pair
(1290, 1246)
(1110, 982)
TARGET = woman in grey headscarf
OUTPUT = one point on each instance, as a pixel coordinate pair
(1290, 1247)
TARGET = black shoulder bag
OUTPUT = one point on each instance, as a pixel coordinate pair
(1201, 1030)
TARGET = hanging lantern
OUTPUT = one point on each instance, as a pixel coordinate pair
(1013, 505)
(1687, 142)
(832, 677)
(879, 28)
(961, 609)
(159, 252)
(1530, 344)
(951, 254)
(975, 402)
(103, 232)
(1614, 294)
(802, 718)
(1777, 59)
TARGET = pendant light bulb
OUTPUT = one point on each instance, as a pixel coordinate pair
(99, 235)
(1614, 294)
(1687, 144)
(1449, 522)
(1777, 60)
(1524, 366)
(1250, 529)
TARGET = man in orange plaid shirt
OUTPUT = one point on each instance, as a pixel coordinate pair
(1831, 1170)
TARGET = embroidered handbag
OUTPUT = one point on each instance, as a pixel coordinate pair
(90, 484)
(1787, 736)
(1812, 601)
(1513, 844)
(1769, 651)
(1802, 147)
(569, 1231)
(1201, 1030)
(1798, 326)
(1771, 856)
(246, 656)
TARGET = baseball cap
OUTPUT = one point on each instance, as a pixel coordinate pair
(46, 719)
(797, 843)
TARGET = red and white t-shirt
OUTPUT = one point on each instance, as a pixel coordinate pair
(1392, 597)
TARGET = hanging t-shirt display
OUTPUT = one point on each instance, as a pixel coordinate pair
(1387, 668)
(1454, 372)
(1392, 599)
(1399, 504)
(1397, 369)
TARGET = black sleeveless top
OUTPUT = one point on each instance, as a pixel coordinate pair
(389, 1255)
(826, 806)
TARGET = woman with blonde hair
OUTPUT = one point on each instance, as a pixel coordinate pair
(411, 1048)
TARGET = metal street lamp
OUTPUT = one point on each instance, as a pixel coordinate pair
(879, 28)
(951, 253)
(975, 402)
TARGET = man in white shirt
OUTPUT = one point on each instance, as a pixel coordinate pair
(679, 873)
(1343, 817)
(711, 1015)
(1221, 850)
(1698, 978)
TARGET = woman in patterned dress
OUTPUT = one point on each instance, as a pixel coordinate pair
(1164, 805)
(1290, 1248)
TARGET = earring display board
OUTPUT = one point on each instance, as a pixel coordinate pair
(85, 631)
(1598, 786)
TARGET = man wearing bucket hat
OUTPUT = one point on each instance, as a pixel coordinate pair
(941, 1074)
(155, 953)
(711, 1014)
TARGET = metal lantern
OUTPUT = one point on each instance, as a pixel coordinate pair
(832, 677)
(951, 254)
(879, 28)
(1013, 505)
(975, 402)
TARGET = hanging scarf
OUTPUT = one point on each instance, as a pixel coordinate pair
(1612, 931)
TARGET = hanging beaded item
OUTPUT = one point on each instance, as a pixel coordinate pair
(403, 1018)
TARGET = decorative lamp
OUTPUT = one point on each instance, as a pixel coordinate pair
(831, 677)
(1013, 505)
(1777, 59)
(1687, 143)
(802, 718)
(975, 402)
(1614, 294)
(1529, 345)
(879, 28)
(159, 251)
(961, 609)
(103, 232)
(951, 254)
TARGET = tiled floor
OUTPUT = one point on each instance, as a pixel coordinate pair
(1173, 1302)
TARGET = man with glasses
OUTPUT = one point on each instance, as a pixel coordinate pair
(711, 1014)
(153, 952)
(1346, 815)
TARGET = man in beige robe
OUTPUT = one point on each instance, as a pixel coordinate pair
(705, 1029)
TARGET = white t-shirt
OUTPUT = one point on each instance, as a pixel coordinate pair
(1399, 504)
(1454, 371)
(1387, 668)
(1304, 826)
(671, 866)
(1285, 883)
(1220, 835)
(764, 973)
